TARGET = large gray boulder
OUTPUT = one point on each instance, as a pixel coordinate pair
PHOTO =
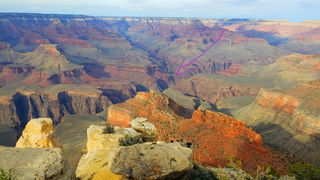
(151, 161)
(32, 163)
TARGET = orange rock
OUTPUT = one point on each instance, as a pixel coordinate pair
(119, 116)
(197, 116)
(277, 101)
(215, 136)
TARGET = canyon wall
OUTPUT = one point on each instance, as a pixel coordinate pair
(288, 119)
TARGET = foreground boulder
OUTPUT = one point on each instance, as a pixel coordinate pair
(37, 134)
(32, 163)
(152, 161)
(94, 164)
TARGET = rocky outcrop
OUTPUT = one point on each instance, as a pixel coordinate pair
(47, 58)
(288, 119)
(146, 75)
(100, 145)
(189, 103)
(213, 135)
(214, 89)
(290, 71)
(32, 163)
(37, 134)
(114, 154)
(7, 55)
(146, 128)
(152, 161)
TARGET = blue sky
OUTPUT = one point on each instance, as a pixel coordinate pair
(293, 10)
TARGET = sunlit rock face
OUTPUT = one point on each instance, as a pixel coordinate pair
(152, 161)
(37, 134)
(32, 163)
(100, 144)
(214, 136)
(288, 119)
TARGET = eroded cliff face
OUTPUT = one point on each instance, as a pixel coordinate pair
(56, 101)
(212, 89)
(288, 119)
(214, 136)
(26, 105)
(174, 42)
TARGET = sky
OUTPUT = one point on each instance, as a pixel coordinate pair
(292, 10)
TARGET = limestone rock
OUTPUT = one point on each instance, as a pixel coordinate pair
(98, 140)
(230, 173)
(152, 161)
(94, 164)
(32, 163)
(37, 134)
(140, 124)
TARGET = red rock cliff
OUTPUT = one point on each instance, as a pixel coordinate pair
(214, 136)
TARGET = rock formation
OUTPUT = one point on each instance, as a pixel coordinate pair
(146, 128)
(112, 154)
(152, 161)
(32, 163)
(100, 144)
(214, 136)
(290, 71)
(190, 103)
(7, 55)
(47, 58)
(55, 103)
(288, 119)
(37, 134)
(215, 89)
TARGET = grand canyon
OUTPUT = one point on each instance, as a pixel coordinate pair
(97, 97)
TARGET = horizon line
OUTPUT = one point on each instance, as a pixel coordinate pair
(181, 17)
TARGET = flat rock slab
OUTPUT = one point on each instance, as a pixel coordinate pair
(32, 163)
(152, 161)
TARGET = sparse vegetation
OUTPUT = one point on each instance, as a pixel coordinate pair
(185, 144)
(304, 171)
(129, 140)
(108, 129)
(234, 164)
(268, 173)
(6, 175)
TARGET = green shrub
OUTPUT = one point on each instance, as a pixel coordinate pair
(272, 172)
(6, 175)
(304, 171)
(234, 164)
(129, 140)
(268, 173)
(108, 129)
